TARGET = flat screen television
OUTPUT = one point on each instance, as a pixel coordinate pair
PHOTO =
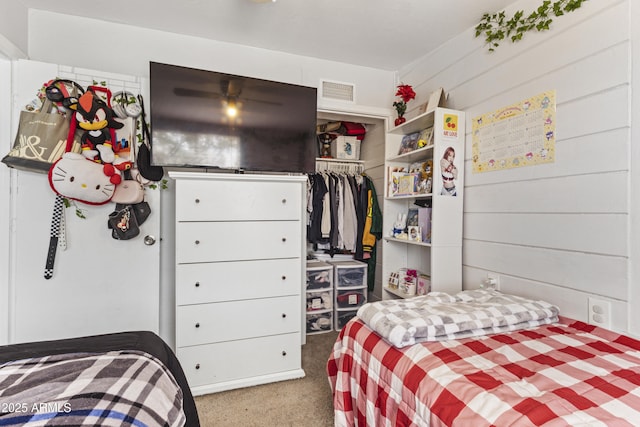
(208, 119)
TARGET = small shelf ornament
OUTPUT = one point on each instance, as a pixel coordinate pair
(406, 93)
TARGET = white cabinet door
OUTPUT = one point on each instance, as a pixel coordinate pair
(100, 285)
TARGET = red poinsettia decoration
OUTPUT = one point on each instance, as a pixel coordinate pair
(407, 94)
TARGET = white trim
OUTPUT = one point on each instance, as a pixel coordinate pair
(10, 50)
(634, 171)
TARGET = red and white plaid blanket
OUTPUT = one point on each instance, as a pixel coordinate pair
(566, 373)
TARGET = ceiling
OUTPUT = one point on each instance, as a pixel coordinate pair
(383, 34)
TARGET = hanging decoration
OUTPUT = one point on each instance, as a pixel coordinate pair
(497, 27)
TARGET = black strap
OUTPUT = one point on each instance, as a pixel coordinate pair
(56, 220)
(146, 135)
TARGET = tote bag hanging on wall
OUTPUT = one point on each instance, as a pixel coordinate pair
(40, 141)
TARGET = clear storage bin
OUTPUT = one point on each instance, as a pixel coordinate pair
(349, 274)
(320, 300)
(318, 323)
(351, 298)
(319, 275)
(343, 316)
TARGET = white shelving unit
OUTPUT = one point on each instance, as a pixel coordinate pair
(441, 257)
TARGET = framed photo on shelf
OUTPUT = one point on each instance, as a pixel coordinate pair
(415, 233)
(409, 143)
(407, 184)
(437, 99)
(412, 217)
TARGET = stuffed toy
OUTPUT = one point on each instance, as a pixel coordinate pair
(97, 120)
(73, 177)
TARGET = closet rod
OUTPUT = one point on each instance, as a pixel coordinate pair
(336, 165)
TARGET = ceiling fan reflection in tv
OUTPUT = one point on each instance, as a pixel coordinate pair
(229, 94)
(192, 123)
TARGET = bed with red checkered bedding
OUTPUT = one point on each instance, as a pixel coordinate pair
(560, 374)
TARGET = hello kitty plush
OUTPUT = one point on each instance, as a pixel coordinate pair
(74, 177)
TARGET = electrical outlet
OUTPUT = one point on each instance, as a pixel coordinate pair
(491, 282)
(495, 278)
(600, 312)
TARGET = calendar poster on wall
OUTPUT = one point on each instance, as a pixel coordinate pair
(522, 134)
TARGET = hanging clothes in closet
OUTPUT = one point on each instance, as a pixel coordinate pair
(344, 216)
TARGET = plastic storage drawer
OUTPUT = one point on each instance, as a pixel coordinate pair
(350, 298)
(319, 300)
(320, 322)
(319, 275)
(349, 274)
(342, 317)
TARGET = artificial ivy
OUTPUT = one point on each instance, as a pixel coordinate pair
(497, 27)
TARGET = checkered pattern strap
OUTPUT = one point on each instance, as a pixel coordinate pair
(56, 221)
(62, 232)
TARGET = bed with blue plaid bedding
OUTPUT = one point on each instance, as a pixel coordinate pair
(115, 388)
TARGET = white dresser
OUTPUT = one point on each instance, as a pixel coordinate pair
(240, 263)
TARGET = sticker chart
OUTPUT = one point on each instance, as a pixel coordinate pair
(522, 134)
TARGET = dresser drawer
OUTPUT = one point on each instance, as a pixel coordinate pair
(236, 241)
(236, 280)
(236, 320)
(234, 360)
(208, 200)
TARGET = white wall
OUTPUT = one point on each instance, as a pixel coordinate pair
(558, 231)
(129, 50)
(13, 22)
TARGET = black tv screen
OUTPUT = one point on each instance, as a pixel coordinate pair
(192, 124)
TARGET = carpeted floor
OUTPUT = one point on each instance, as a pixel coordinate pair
(304, 402)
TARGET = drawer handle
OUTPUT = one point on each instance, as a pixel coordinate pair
(284, 277)
(197, 242)
(197, 284)
(284, 201)
(284, 239)
(284, 353)
(197, 200)
(197, 366)
(284, 315)
(197, 325)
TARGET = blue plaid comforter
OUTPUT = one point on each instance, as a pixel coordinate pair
(117, 388)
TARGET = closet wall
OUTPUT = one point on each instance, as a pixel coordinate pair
(559, 231)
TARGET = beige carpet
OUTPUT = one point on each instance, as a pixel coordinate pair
(304, 402)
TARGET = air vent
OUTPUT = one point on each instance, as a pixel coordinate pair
(337, 91)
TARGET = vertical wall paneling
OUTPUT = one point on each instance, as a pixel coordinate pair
(558, 231)
(5, 182)
(634, 223)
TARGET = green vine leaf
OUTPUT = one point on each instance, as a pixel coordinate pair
(79, 212)
(496, 27)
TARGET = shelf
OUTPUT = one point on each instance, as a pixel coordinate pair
(418, 123)
(410, 196)
(406, 241)
(331, 159)
(397, 292)
(412, 156)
